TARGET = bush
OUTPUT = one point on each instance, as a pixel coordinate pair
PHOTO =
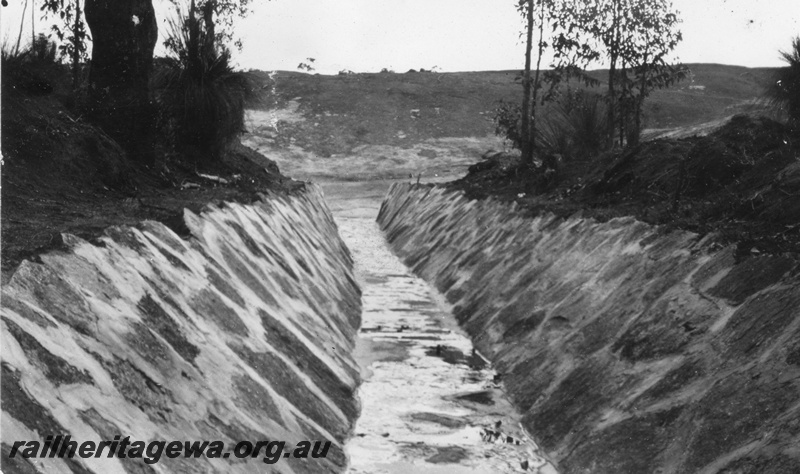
(200, 97)
(574, 127)
(784, 91)
(43, 49)
(507, 121)
(33, 69)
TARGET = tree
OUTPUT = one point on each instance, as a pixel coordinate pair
(218, 17)
(124, 36)
(519, 123)
(526, 131)
(654, 36)
(71, 33)
(632, 35)
(784, 91)
(537, 14)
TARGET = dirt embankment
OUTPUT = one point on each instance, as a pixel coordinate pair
(629, 349)
(741, 183)
(169, 331)
(215, 336)
(62, 174)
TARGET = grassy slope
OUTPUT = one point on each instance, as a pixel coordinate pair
(346, 111)
(372, 108)
(728, 90)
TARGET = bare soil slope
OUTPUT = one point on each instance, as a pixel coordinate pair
(741, 182)
(62, 174)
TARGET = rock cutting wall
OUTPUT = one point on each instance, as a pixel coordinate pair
(242, 332)
(629, 349)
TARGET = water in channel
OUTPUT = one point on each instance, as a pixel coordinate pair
(429, 402)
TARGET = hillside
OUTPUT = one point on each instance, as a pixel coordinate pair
(349, 110)
(739, 181)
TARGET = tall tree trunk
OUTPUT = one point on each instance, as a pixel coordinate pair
(21, 26)
(208, 19)
(526, 132)
(124, 34)
(612, 103)
(640, 104)
(540, 51)
(76, 44)
(33, 23)
(612, 70)
(642, 93)
(623, 101)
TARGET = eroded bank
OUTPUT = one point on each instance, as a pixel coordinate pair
(629, 349)
(242, 331)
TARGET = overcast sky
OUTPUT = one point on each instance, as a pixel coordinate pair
(460, 35)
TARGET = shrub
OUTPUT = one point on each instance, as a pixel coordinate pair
(43, 49)
(200, 96)
(574, 127)
(33, 69)
(507, 121)
(784, 91)
(585, 117)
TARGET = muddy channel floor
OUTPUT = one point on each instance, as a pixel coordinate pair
(429, 400)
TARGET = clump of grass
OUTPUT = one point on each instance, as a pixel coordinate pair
(200, 96)
(32, 69)
(573, 127)
(784, 91)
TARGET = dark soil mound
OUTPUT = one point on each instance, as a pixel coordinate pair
(742, 182)
(63, 174)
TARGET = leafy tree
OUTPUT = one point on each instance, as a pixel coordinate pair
(540, 86)
(526, 131)
(645, 68)
(537, 13)
(632, 35)
(784, 91)
(71, 32)
(218, 17)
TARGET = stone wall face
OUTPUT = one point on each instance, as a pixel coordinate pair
(628, 349)
(241, 332)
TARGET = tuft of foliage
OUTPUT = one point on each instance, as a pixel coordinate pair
(72, 33)
(30, 70)
(507, 121)
(784, 91)
(575, 126)
(572, 127)
(219, 17)
(200, 96)
(43, 49)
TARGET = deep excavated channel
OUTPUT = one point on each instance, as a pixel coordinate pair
(429, 402)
